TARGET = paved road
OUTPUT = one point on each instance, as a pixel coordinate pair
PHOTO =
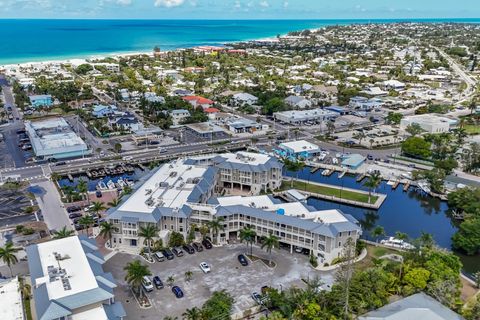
(54, 213)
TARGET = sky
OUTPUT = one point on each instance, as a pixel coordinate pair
(239, 9)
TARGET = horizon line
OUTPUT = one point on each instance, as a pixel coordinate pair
(253, 19)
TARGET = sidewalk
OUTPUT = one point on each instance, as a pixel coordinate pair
(53, 210)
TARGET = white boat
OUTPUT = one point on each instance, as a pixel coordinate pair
(120, 183)
(111, 185)
(101, 186)
(424, 186)
(325, 172)
(129, 183)
(397, 243)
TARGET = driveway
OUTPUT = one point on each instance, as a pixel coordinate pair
(227, 274)
(53, 210)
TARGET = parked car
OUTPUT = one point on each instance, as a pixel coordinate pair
(189, 249)
(74, 215)
(98, 194)
(60, 163)
(197, 246)
(168, 254)
(147, 284)
(257, 297)
(177, 291)
(157, 282)
(178, 251)
(73, 209)
(370, 157)
(207, 244)
(243, 260)
(86, 209)
(159, 256)
(205, 267)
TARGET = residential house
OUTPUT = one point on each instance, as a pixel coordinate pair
(101, 111)
(197, 101)
(298, 102)
(125, 122)
(243, 99)
(179, 115)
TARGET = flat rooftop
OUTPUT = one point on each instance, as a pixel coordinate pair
(293, 209)
(246, 158)
(11, 307)
(97, 313)
(430, 119)
(300, 146)
(53, 135)
(305, 114)
(170, 186)
(65, 256)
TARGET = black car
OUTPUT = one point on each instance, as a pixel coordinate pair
(243, 260)
(178, 251)
(74, 215)
(98, 194)
(189, 249)
(197, 246)
(157, 282)
(370, 157)
(21, 131)
(73, 209)
(177, 291)
(168, 254)
(207, 244)
(60, 163)
(79, 227)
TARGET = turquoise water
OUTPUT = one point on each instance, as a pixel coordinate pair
(37, 40)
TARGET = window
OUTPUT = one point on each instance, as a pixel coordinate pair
(339, 243)
(181, 229)
(349, 232)
(181, 220)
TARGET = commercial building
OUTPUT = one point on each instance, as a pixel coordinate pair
(206, 130)
(54, 138)
(184, 192)
(365, 104)
(353, 161)
(429, 122)
(69, 283)
(299, 149)
(296, 117)
(11, 307)
(42, 100)
(242, 125)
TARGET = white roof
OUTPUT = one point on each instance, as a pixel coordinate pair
(246, 157)
(10, 296)
(169, 187)
(73, 260)
(299, 146)
(97, 313)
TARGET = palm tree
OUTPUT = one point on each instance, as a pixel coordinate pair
(170, 280)
(293, 166)
(401, 235)
(106, 230)
(377, 232)
(269, 243)
(248, 235)
(359, 136)
(115, 202)
(97, 207)
(63, 233)
(86, 221)
(372, 183)
(7, 254)
(148, 233)
(426, 240)
(188, 275)
(204, 230)
(69, 192)
(127, 190)
(135, 273)
(82, 187)
(215, 226)
(192, 314)
(55, 176)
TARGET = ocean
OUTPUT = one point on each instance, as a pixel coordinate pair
(40, 40)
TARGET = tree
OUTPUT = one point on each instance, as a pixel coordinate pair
(216, 225)
(293, 166)
(191, 233)
(467, 237)
(170, 280)
(359, 136)
(401, 236)
(86, 221)
(106, 231)
(415, 279)
(7, 254)
(135, 273)
(82, 188)
(176, 239)
(248, 235)
(416, 147)
(83, 69)
(127, 190)
(372, 183)
(204, 230)
(377, 232)
(117, 147)
(148, 233)
(414, 129)
(97, 206)
(394, 118)
(63, 233)
(218, 306)
(115, 202)
(345, 273)
(270, 242)
(188, 276)
(426, 240)
(192, 314)
(447, 165)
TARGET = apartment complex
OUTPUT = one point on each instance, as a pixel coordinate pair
(184, 192)
(69, 283)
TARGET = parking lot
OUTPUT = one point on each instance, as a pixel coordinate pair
(227, 273)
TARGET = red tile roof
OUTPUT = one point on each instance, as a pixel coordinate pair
(211, 110)
(199, 100)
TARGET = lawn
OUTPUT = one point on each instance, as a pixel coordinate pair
(472, 129)
(343, 194)
(373, 253)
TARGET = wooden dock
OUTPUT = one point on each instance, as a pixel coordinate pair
(342, 174)
(141, 166)
(406, 186)
(315, 169)
(70, 177)
(361, 177)
(395, 184)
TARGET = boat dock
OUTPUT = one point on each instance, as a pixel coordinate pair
(406, 186)
(361, 177)
(395, 184)
(342, 174)
(315, 169)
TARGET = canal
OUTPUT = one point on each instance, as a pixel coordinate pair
(408, 211)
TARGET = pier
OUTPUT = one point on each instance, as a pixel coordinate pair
(361, 177)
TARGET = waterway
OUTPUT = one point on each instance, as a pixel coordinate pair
(410, 212)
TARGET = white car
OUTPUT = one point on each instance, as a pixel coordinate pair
(205, 267)
(147, 284)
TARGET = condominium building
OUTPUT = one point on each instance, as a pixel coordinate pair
(184, 192)
(69, 283)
